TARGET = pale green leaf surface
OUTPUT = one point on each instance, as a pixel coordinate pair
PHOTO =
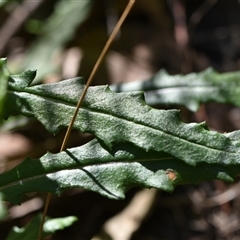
(52, 225)
(30, 232)
(3, 209)
(111, 173)
(189, 90)
(118, 117)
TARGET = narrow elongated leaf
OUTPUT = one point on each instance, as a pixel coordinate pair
(4, 75)
(31, 230)
(111, 173)
(59, 28)
(189, 90)
(3, 209)
(118, 117)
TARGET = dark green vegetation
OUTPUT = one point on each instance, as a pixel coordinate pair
(133, 147)
(136, 144)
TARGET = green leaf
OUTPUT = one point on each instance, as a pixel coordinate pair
(4, 76)
(111, 173)
(56, 32)
(188, 90)
(31, 230)
(3, 209)
(139, 145)
(55, 224)
(118, 117)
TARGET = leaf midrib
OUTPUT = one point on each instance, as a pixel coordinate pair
(21, 181)
(58, 100)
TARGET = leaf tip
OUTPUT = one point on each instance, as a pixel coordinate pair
(3, 61)
(204, 125)
(225, 177)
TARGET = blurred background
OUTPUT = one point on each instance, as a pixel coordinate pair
(62, 39)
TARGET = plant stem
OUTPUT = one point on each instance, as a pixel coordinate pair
(89, 81)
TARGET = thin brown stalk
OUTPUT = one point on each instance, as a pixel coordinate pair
(89, 81)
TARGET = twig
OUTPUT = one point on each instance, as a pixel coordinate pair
(89, 81)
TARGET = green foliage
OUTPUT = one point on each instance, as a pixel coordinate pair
(4, 75)
(111, 173)
(31, 230)
(3, 210)
(55, 32)
(136, 144)
(189, 90)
